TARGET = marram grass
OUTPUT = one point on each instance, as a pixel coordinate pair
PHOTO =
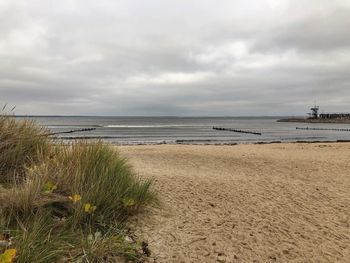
(65, 203)
(22, 143)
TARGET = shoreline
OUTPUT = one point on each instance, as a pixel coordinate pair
(213, 144)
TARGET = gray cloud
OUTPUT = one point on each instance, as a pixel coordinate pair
(174, 57)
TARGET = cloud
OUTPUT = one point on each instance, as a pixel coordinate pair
(171, 78)
(182, 57)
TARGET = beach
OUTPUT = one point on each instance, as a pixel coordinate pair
(246, 203)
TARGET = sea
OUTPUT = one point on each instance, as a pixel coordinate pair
(188, 130)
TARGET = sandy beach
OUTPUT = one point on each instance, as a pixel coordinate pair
(246, 203)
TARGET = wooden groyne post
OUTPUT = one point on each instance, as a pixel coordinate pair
(235, 130)
(71, 131)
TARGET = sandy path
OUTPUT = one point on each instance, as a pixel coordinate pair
(247, 203)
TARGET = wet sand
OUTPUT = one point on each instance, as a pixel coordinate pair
(247, 203)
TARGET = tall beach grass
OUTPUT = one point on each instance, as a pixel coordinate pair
(65, 203)
(22, 143)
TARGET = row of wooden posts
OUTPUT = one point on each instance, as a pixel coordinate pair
(235, 130)
(71, 131)
(218, 129)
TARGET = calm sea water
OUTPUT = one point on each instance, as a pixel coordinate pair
(191, 130)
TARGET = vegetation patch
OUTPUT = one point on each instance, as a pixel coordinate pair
(66, 203)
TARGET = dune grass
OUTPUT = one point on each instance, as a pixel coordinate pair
(21, 143)
(65, 203)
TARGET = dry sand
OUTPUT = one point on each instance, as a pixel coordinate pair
(247, 203)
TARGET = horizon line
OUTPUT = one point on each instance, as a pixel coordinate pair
(161, 116)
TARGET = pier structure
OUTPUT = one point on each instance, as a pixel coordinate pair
(334, 116)
(314, 114)
(316, 117)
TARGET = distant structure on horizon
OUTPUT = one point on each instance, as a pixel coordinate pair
(316, 117)
(314, 114)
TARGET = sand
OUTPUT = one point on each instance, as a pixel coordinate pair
(246, 203)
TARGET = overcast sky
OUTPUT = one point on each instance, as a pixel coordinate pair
(179, 57)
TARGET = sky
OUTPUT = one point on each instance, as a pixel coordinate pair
(174, 58)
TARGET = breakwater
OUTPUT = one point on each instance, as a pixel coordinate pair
(235, 130)
(71, 131)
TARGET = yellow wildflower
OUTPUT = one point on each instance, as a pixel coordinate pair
(49, 187)
(8, 256)
(128, 202)
(89, 208)
(75, 198)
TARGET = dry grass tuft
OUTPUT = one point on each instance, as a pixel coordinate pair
(22, 143)
(65, 202)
